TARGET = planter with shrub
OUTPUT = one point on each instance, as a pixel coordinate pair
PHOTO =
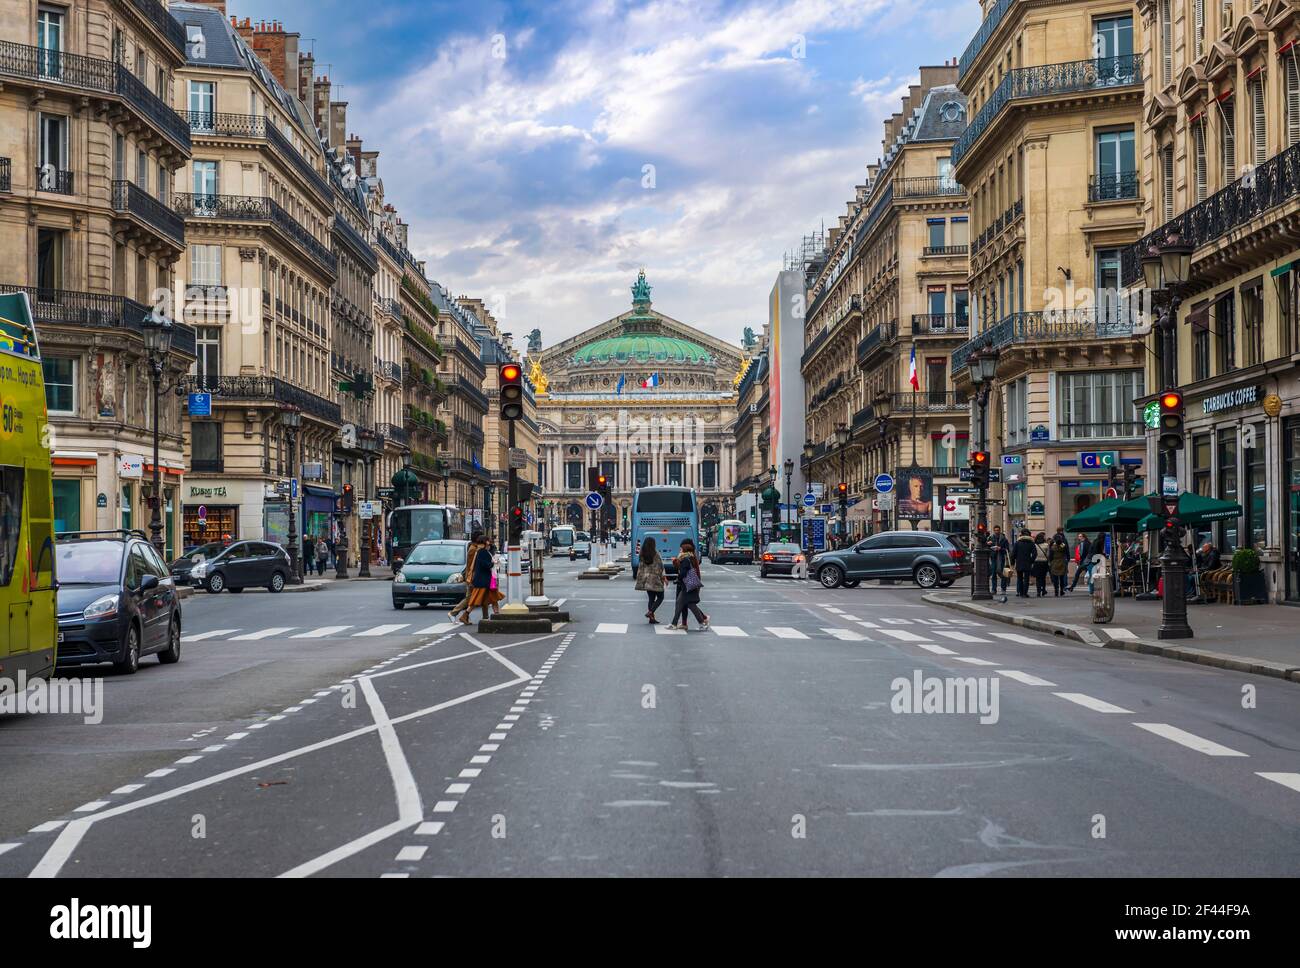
(1248, 585)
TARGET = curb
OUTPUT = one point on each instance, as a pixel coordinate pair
(1100, 637)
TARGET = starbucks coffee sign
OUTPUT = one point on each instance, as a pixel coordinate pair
(1243, 396)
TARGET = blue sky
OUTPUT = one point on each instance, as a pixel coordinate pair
(523, 176)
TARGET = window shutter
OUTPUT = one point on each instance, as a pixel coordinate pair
(1166, 42)
(1259, 147)
(1198, 137)
(1167, 175)
(1228, 141)
(1292, 101)
(1199, 14)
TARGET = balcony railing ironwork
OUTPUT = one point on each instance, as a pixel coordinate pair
(157, 14)
(931, 185)
(1112, 187)
(291, 154)
(66, 307)
(265, 388)
(360, 247)
(882, 335)
(982, 35)
(940, 324)
(1271, 184)
(394, 433)
(864, 417)
(1073, 77)
(6, 175)
(255, 209)
(473, 393)
(389, 370)
(226, 125)
(929, 401)
(948, 250)
(134, 200)
(55, 180)
(1052, 326)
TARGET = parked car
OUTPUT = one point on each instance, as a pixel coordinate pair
(779, 558)
(116, 601)
(181, 567)
(928, 558)
(433, 574)
(581, 547)
(240, 565)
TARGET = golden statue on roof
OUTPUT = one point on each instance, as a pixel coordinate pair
(536, 377)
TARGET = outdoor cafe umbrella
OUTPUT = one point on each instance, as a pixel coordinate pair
(1193, 510)
(1110, 513)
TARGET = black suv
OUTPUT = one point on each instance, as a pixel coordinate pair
(116, 600)
(929, 558)
(234, 566)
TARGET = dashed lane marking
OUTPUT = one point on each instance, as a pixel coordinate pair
(1190, 740)
(844, 635)
(1088, 702)
(1291, 780)
(959, 636)
(262, 634)
(1024, 677)
(730, 631)
(903, 635)
(1017, 637)
(613, 628)
(322, 632)
(200, 636)
(785, 632)
(936, 649)
(381, 630)
(972, 661)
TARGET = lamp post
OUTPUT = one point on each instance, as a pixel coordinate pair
(157, 332)
(882, 405)
(1165, 270)
(369, 452)
(809, 448)
(403, 494)
(983, 370)
(789, 472)
(291, 420)
(842, 445)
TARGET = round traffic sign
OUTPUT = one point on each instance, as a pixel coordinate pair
(1111, 492)
(594, 501)
(809, 499)
(884, 483)
(203, 511)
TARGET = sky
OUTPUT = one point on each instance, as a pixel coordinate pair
(542, 152)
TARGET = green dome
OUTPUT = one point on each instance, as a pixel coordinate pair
(641, 348)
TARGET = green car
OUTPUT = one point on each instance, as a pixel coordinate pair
(433, 574)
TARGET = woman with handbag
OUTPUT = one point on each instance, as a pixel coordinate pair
(1041, 564)
(481, 593)
(650, 578)
(689, 584)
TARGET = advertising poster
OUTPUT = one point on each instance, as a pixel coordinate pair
(915, 494)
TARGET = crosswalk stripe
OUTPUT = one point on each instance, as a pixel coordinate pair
(614, 628)
(972, 661)
(381, 630)
(959, 636)
(206, 635)
(785, 632)
(933, 621)
(1017, 637)
(866, 625)
(897, 621)
(730, 631)
(1190, 740)
(1024, 677)
(844, 635)
(1096, 705)
(665, 630)
(936, 649)
(261, 634)
(1291, 780)
(903, 636)
(320, 633)
(965, 621)
(442, 629)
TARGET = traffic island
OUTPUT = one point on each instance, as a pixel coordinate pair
(517, 625)
(596, 575)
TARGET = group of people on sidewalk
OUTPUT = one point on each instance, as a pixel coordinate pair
(317, 553)
(1035, 557)
(652, 579)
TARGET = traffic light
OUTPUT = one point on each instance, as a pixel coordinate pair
(593, 479)
(1171, 420)
(842, 490)
(511, 384)
(1130, 482)
(346, 499)
(516, 524)
(1112, 473)
(979, 468)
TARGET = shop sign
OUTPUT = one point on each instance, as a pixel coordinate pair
(1095, 462)
(1246, 396)
(198, 490)
(130, 466)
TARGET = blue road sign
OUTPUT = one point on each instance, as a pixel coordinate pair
(809, 499)
(594, 501)
(814, 533)
(200, 405)
(293, 489)
(884, 483)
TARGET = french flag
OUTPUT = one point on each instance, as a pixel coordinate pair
(650, 382)
(911, 371)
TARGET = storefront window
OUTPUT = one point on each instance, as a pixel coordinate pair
(1228, 487)
(1201, 470)
(67, 505)
(1256, 490)
(126, 506)
(1016, 500)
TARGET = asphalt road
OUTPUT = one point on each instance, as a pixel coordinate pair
(303, 735)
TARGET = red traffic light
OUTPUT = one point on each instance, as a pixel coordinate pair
(517, 511)
(842, 488)
(510, 371)
(1171, 400)
(979, 457)
(601, 480)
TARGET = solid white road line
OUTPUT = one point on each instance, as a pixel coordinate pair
(199, 637)
(1291, 780)
(844, 635)
(903, 636)
(1190, 740)
(1017, 637)
(972, 661)
(959, 636)
(261, 634)
(1024, 677)
(936, 649)
(1096, 705)
(381, 630)
(730, 631)
(613, 628)
(322, 632)
(785, 632)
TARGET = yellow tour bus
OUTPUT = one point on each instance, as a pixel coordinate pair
(28, 624)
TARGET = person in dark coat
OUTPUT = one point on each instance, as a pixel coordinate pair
(999, 560)
(482, 594)
(1040, 565)
(1058, 561)
(1082, 558)
(687, 598)
(1024, 554)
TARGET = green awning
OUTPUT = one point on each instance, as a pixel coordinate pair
(1195, 509)
(1282, 270)
(1110, 513)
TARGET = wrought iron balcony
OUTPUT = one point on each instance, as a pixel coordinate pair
(246, 208)
(929, 401)
(389, 370)
(353, 239)
(932, 185)
(1271, 184)
(390, 306)
(881, 336)
(93, 310)
(945, 250)
(157, 14)
(389, 248)
(6, 175)
(940, 324)
(1053, 326)
(1050, 80)
(269, 388)
(300, 164)
(53, 180)
(133, 200)
(986, 29)
(864, 418)
(475, 395)
(226, 125)
(1113, 187)
(397, 435)
(468, 428)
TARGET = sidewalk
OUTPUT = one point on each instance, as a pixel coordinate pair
(1246, 638)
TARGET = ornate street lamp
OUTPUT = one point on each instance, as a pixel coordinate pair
(157, 332)
(370, 447)
(842, 436)
(882, 404)
(789, 472)
(291, 420)
(983, 370)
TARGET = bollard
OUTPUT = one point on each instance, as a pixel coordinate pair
(1103, 594)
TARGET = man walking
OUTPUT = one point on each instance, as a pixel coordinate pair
(1082, 558)
(999, 560)
(1025, 554)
